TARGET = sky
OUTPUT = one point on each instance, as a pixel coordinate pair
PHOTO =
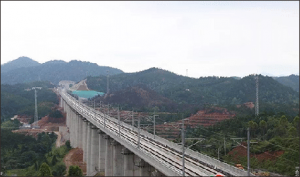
(193, 38)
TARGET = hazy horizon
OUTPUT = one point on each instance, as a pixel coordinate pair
(264, 74)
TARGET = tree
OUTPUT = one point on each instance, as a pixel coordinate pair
(54, 160)
(263, 126)
(45, 170)
(75, 171)
(59, 169)
(252, 125)
(68, 144)
(296, 123)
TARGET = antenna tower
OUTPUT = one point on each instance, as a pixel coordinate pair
(107, 90)
(35, 100)
(256, 104)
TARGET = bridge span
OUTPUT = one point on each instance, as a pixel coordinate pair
(116, 149)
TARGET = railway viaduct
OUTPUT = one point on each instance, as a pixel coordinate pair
(119, 149)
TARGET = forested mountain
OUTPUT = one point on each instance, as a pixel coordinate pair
(21, 62)
(291, 81)
(221, 91)
(55, 71)
(15, 100)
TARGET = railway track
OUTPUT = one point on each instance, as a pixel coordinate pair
(165, 155)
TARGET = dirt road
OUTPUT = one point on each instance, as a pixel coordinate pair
(58, 139)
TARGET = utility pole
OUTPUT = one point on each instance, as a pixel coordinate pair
(132, 119)
(119, 120)
(107, 90)
(139, 131)
(224, 146)
(183, 141)
(108, 110)
(256, 104)
(248, 150)
(154, 124)
(94, 103)
(36, 109)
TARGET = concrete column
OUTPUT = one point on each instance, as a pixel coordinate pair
(118, 161)
(64, 105)
(79, 132)
(66, 111)
(94, 149)
(88, 149)
(145, 170)
(108, 157)
(102, 151)
(128, 162)
(156, 173)
(84, 139)
(71, 128)
(76, 129)
(136, 168)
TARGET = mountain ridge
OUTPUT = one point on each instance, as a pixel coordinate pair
(226, 91)
(21, 62)
(53, 71)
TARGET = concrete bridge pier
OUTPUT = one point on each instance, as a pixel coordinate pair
(128, 162)
(144, 168)
(76, 130)
(94, 158)
(155, 172)
(67, 114)
(118, 161)
(79, 132)
(60, 103)
(70, 114)
(102, 151)
(108, 157)
(84, 138)
(72, 127)
(88, 148)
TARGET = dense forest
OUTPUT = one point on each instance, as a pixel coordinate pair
(16, 100)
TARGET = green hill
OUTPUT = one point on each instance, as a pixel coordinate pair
(290, 81)
(223, 91)
(15, 100)
(55, 71)
(19, 63)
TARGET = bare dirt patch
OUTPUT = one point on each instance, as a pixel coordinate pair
(75, 157)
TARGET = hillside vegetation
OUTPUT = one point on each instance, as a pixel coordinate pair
(15, 100)
(291, 81)
(222, 91)
(273, 134)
